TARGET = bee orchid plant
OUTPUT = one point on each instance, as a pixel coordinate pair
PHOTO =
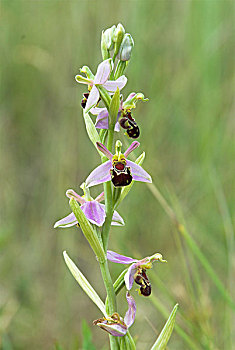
(117, 174)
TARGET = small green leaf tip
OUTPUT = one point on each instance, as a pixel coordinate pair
(166, 332)
(114, 108)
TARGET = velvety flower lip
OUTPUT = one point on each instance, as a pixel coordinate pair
(114, 324)
(100, 79)
(142, 264)
(102, 173)
(102, 120)
(93, 210)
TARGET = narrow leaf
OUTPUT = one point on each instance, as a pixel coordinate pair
(114, 107)
(84, 284)
(87, 337)
(87, 230)
(91, 130)
(165, 334)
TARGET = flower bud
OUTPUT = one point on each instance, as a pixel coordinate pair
(118, 37)
(126, 47)
(107, 41)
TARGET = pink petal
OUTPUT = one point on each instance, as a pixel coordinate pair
(131, 312)
(94, 212)
(111, 85)
(100, 197)
(92, 98)
(100, 174)
(117, 127)
(118, 258)
(104, 150)
(71, 193)
(102, 121)
(132, 147)
(129, 277)
(115, 329)
(97, 110)
(131, 96)
(138, 173)
(103, 72)
(117, 220)
(68, 221)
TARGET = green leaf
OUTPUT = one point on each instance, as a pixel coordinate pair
(84, 284)
(58, 347)
(165, 334)
(87, 230)
(87, 337)
(114, 108)
(91, 130)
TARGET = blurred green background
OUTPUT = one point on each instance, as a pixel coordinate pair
(183, 61)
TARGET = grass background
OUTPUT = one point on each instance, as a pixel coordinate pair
(183, 61)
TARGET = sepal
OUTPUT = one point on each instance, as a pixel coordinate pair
(126, 190)
(87, 230)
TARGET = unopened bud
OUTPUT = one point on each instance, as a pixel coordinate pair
(118, 37)
(126, 47)
(107, 41)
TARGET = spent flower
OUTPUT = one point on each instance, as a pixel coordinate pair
(116, 325)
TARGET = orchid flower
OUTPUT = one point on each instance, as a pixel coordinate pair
(92, 208)
(100, 79)
(114, 324)
(102, 120)
(137, 271)
(118, 169)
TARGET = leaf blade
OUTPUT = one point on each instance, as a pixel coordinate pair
(166, 332)
(84, 284)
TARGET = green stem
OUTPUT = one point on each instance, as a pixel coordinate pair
(108, 197)
(121, 66)
(112, 306)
